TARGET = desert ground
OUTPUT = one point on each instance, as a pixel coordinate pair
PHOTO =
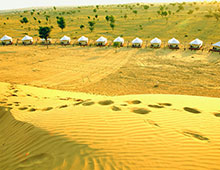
(112, 71)
(107, 108)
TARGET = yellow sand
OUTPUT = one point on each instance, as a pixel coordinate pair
(50, 129)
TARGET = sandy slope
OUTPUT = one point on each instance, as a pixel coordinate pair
(51, 129)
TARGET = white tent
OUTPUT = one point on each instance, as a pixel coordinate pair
(6, 40)
(119, 40)
(83, 40)
(27, 40)
(156, 42)
(44, 41)
(216, 45)
(101, 41)
(197, 43)
(137, 42)
(173, 41)
(65, 40)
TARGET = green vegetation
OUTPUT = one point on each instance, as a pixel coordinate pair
(61, 23)
(44, 32)
(187, 21)
(24, 20)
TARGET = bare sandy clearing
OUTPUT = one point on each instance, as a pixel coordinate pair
(113, 72)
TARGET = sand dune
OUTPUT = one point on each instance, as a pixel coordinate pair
(51, 129)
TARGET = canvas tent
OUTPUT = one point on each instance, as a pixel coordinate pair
(173, 43)
(137, 42)
(118, 41)
(83, 40)
(102, 41)
(156, 42)
(65, 40)
(27, 40)
(6, 40)
(196, 44)
(216, 46)
(43, 41)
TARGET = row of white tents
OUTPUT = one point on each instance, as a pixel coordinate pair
(102, 41)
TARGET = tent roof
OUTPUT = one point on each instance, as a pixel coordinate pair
(5, 37)
(26, 37)
(65, 38)
(137, 40)
(173, 41)
(119, 39)
(43, 39)
(216, 44)
(101, 39)
(83, 39)
(196, 42)
(155, 41)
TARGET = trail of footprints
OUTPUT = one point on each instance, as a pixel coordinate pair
(138, 110)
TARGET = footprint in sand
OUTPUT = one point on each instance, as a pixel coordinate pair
(15, 95)
(140, 110)
(32, 110)
(28, 95)
(63, 106)
(134, 102)
(23, 108)
(195, 135)
(36, 160)
(217, 114)
(165, 104)
(123, 104)
(88, 103)
(106, 102)
(152, 122)
(15, 91)
(47, 109)
(115, 108)
(155, 106)
(191, 110)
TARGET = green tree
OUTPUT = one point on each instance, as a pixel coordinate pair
(112, 25)
(24, 20)
(61, 23)
(91, 25)
(146, 7)
(82, 26)
(44, 32)
(96, 16)
(135, 12)
(112, 19)
(107, 18)
(94, 10)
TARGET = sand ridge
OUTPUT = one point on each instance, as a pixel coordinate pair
(123, 132)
